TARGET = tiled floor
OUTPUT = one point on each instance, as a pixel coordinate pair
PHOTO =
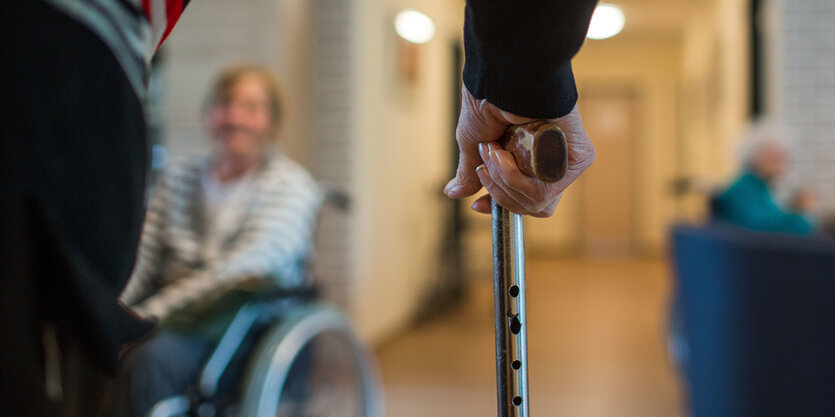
(596, 340)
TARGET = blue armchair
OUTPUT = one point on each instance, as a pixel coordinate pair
(757, 313)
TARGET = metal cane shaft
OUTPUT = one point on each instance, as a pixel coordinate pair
(519, 343)
(501, 284)
(540, 150)
(509, 310)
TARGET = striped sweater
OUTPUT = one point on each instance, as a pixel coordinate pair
(132, 29)
(271, 245)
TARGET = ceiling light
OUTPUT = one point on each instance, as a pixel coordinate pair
(414, 26)
(607, 21)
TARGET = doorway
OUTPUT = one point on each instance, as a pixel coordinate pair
(607, 189)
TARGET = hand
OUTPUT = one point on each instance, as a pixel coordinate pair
(804, 201)
(127, 348)
(482, 162)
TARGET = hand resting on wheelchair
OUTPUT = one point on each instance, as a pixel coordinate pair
(221, 230)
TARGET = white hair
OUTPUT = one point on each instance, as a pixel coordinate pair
(760, 134)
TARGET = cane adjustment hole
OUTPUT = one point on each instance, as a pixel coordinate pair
(513, 290)
(515, 325)
(517, 400)
(516, 364)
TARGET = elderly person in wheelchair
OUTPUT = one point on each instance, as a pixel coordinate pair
(221, 231)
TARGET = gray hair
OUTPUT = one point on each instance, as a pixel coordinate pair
(758, 135)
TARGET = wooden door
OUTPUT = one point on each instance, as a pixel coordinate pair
(607, 189)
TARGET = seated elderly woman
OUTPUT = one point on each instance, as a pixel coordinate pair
(749, 201)
(218, 228)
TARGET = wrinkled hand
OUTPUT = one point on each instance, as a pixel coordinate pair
(482, 162)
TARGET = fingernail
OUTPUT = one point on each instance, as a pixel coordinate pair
(484, 151)
(483, 176)
(492, 147)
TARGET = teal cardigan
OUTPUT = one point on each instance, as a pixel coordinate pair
(748, 202)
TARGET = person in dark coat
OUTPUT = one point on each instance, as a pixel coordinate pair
(74, 156)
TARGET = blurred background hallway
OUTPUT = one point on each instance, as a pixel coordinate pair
(372, 114)
(596, 339)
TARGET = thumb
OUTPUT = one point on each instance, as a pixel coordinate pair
(479, 121)
(466, 181)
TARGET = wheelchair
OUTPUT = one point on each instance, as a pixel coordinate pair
(284, 355)
(288, 357)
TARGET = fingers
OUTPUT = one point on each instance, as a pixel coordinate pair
(491, 178)
(465, 182)
(511, 188)
(503, 170)
(549, 210)
(483, 204)
(495, 169)
(472, 127)
(497, 193)
(478, 122)
(525, 195)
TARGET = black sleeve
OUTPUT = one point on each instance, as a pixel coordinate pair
(518, 53)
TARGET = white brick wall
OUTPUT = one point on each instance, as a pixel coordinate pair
(805, 86)
(332, 128)
(210, 35)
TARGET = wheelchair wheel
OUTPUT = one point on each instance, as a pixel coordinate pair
(310, 365)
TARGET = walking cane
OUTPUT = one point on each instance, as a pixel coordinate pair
(540, 150)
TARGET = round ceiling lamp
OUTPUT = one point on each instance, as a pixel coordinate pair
(414, 26)
(607, 21)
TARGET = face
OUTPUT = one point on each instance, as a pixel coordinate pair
(241, 122)
(771, 161)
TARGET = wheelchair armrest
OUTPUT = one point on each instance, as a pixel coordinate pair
(228, 345)
(305, 292)
(171, 407)
(272, 303)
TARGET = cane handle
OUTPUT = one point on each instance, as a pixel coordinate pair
(539, 148)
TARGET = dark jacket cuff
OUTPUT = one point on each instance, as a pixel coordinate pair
(525, 90)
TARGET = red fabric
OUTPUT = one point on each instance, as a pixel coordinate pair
(173, 10)
(146, 7)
